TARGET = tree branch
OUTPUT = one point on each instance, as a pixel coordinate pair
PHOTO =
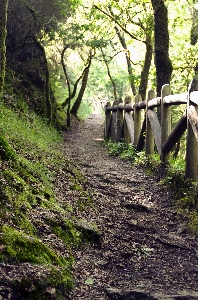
(119, 24)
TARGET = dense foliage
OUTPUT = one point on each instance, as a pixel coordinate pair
(68, 50)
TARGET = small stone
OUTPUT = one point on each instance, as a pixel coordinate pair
(51, 291)
(137, 207)
(90, 230)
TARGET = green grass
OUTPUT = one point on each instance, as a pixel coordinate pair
(28, 132)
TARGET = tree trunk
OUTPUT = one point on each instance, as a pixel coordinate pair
(148, 55)
(110, 77)
(162, 61)
(47, 82)
(194, 33)
(146, 69)
(128, 60)
(78, 101)
(194, 28)
(68, 100)
(3, 33)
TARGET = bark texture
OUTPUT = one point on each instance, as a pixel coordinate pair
(194, 28)
(128, 59)
(145, 70)
(109, 74)
(78, 101)
(161, 35)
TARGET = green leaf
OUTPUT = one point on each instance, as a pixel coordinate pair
(89, 281)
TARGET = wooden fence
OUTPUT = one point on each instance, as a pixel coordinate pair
(123, 122)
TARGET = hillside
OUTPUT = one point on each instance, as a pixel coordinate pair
(36, 232)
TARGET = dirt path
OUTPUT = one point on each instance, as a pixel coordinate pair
(146, 252)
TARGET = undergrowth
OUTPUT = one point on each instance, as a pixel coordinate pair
(121, 149)
(184, 191)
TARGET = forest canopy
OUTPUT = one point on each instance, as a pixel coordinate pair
(69, 52)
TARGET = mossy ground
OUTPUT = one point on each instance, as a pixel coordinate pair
(31, 156)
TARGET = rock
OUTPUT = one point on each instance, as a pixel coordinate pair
(140, 226)
(137, 207)
(118, 294)
(51, 291)
(183, 295)
(186, 298)
(172, 240)
(182, 229)
(133, 223)
(90, 231)
(102, 263)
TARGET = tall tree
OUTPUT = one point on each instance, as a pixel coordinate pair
(194, 32)
(141, 32)
(194, 28)
(47, 80)
(31, 26)
(3, 32)
(161, 36)
(122, 40)
(78, 100)
(109, 74)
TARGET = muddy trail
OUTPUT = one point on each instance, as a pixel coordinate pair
(145, 250)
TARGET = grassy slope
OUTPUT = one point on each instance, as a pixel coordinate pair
(30, 158)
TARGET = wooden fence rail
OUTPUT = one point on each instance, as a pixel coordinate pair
(125, 122)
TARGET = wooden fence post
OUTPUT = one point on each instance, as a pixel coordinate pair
(107, 121)
(114, 123)
(119, 120)
(165, 122)
(137, 120)
(149, 143)
(127, 139)
(191, 142)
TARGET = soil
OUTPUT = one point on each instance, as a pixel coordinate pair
(145, 250)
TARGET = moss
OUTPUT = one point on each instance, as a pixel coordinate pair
(60, 278)
(84, 200)
(60, 116)
(193, 222)
(56, 284)
(66, 231)
(16, 191)
(26, 183)
(6, 151)
(20, 188)
(17, 182)
(23, 223)
(19, 247)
